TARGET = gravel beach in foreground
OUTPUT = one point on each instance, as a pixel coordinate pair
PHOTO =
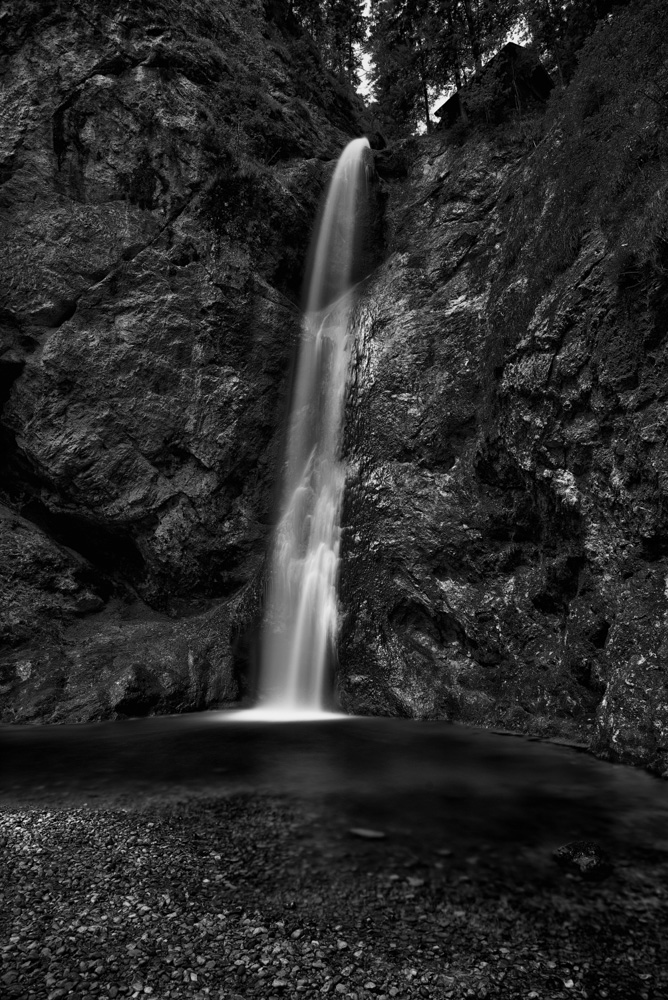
(257, 895)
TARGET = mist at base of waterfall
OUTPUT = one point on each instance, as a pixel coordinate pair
(275, 713)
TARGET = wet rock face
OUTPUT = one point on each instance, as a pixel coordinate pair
(505, 548)
(585, 859)
(160, 175)
(504, 543)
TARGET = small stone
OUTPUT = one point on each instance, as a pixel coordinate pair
(341, 945)
(584, 858)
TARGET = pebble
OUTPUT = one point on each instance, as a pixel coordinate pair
(584, 858)
(248, 926)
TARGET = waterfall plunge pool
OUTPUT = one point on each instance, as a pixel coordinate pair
(441, 780)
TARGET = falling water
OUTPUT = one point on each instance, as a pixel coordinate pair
(301, 617)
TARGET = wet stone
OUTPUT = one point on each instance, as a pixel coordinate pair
(584, 858)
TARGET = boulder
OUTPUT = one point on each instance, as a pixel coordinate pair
(584, 858)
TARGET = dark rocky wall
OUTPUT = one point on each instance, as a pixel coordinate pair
(505, 528)
(162, 166)
(505, 547)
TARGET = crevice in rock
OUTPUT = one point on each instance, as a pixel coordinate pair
(141, 695)
(68, 307)
(655, 547)
(174, 457)
(599, 635)
(562, 578)
(111, 549)
(421, 628)
(111, 65)
(64, 312)
(9, 372)
(245, 646)
(9, 166)
(60, 139)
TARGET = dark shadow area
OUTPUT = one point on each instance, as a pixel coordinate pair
(109, 549)
(449, 781)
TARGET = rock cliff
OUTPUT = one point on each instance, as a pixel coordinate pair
(505, 546)
(505, 536)
(161, 168)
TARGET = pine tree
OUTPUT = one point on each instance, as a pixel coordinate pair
(346, 26)
(559, 29)
(421, 47)
(338, 28)
(403, 55)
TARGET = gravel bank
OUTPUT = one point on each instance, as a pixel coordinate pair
(263, 896)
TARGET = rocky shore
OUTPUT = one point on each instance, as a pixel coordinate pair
(255, 895)
(504, 547)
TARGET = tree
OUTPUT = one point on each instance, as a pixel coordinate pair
(421, 47)
(404, 59)
(559, 29)
(347, 29)
(338, 29)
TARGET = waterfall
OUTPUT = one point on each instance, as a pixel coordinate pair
(299, 631)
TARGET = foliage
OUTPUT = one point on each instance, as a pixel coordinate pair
(420, 48)
(603, 160)
(559, 30)
(338, 29)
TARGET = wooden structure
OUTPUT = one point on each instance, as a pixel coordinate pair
(512, 80)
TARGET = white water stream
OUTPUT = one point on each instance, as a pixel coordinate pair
(299, 632)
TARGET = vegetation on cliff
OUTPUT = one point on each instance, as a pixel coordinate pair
(600, 160)
(422, 48)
